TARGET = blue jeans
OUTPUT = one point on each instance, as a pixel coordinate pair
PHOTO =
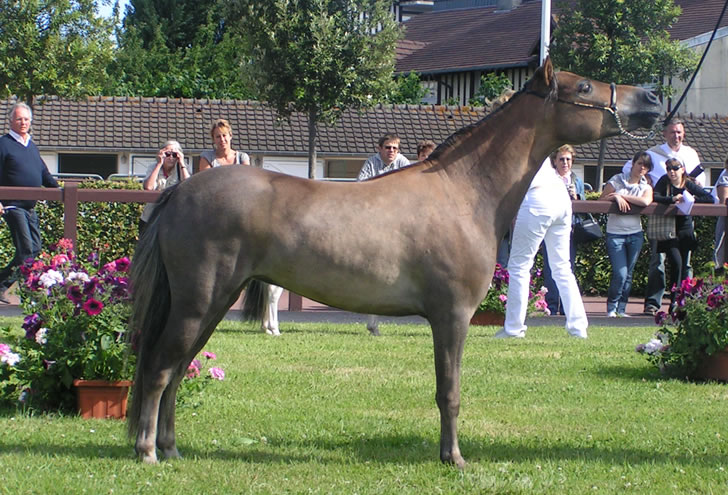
(623, 250)
(25, 234)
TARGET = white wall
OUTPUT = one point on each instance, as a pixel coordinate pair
(709, 92)
(292, 166)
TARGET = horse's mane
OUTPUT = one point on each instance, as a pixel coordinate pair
(465, 132)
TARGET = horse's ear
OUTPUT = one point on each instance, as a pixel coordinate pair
(548, 71)
(545, 75)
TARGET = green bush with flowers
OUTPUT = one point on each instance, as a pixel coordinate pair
(697, 327)
(76, 316)
(497, 297)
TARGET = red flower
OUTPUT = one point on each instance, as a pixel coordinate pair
(93, 306)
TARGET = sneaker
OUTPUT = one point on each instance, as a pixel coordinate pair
(651, 310)
(4, 297)
(623, 315)
(578, 335)
(611, 314)
(503, 335)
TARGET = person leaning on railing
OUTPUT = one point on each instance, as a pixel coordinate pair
(671, 189)
(22, 166)
(720, 194)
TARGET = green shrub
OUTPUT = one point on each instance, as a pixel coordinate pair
(108, 228)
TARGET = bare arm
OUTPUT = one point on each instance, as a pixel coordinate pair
(722, 194)
(204, 164)
(150, 182)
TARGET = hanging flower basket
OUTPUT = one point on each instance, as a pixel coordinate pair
(101, 399)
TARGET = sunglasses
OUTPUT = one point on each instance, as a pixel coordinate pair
(170, 154)
(391, 148)
(673, 168)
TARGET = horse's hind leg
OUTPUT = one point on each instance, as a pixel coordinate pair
(373, 325)
(270, 317)
(449, 340)
(166, 440)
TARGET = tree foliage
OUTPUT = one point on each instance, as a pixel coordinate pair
(178, 49)
(491, 86)
(53, 47)
(319, 57)
(408, 89)
(621, 41)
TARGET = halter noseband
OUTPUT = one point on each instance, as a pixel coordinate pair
(612, 108)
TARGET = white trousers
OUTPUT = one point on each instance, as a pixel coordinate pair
(555, 231)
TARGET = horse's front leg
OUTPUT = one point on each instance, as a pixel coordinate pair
(449, 340)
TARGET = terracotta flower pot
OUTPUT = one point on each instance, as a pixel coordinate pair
(483, 318)
(713, 367)
(102, 399)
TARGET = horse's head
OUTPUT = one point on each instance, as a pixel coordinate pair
(587, 110)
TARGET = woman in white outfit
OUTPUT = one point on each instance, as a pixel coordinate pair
(544, 215)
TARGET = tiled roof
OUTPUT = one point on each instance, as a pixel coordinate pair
(708, 135)
(142, 124)
(470, 39)
(478, 38)
(698, 17)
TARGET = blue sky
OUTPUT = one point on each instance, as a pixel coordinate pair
(105, 10)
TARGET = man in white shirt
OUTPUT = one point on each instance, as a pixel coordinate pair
(673, 147)
(386, 160)
(544, 215)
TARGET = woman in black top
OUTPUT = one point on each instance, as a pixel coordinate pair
(668, 190)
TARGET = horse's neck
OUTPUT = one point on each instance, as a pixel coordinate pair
(493, 164)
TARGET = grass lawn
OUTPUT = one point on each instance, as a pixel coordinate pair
(329, 409)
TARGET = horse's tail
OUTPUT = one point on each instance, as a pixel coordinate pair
(254, 301)
(152, 299)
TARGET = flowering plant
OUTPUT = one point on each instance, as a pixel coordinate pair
(76, 317)
(196, 380)
(696, 327)
(497, 297)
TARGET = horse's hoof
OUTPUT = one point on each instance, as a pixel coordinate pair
(172, 453)
(148, 458)
(456, 460)
(273, 331)
(374, 331)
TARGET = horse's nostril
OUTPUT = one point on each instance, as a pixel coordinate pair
(652, 97)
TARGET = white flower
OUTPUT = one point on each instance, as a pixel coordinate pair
(11, 358)
(51, 278)
(40, 336)
(653, 346)
(83, 276)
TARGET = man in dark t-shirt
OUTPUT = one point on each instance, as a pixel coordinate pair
(21, 165)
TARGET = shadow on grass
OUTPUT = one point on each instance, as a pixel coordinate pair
(383, 449)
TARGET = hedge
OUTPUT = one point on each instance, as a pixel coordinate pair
(110, 229)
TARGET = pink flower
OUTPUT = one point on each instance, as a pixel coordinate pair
(59, 259)
(66, 244)
(503, 298)
(217, 373)
(109, 267)
(93, 306)
(4, 349)
(209, 355)
(193, 370)
(122, 264)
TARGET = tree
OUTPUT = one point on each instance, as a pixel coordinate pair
(408, 90)
(165, 51)
(491, 86)
(319, 57)
(620, 41)
(53, 47)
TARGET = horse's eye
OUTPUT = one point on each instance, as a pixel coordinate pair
(585, 87)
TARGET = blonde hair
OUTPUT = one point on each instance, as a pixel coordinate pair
(221, 124)
(566, 148)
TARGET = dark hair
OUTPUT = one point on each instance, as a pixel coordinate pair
(423, 145)
(645, 157)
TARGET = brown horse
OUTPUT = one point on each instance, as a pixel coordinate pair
(420, 241)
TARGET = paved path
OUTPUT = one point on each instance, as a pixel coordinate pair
(316, 312)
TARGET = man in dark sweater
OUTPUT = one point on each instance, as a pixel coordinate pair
(21, 165)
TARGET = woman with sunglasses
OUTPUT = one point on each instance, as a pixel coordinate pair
(168, 170)
(671, 189)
